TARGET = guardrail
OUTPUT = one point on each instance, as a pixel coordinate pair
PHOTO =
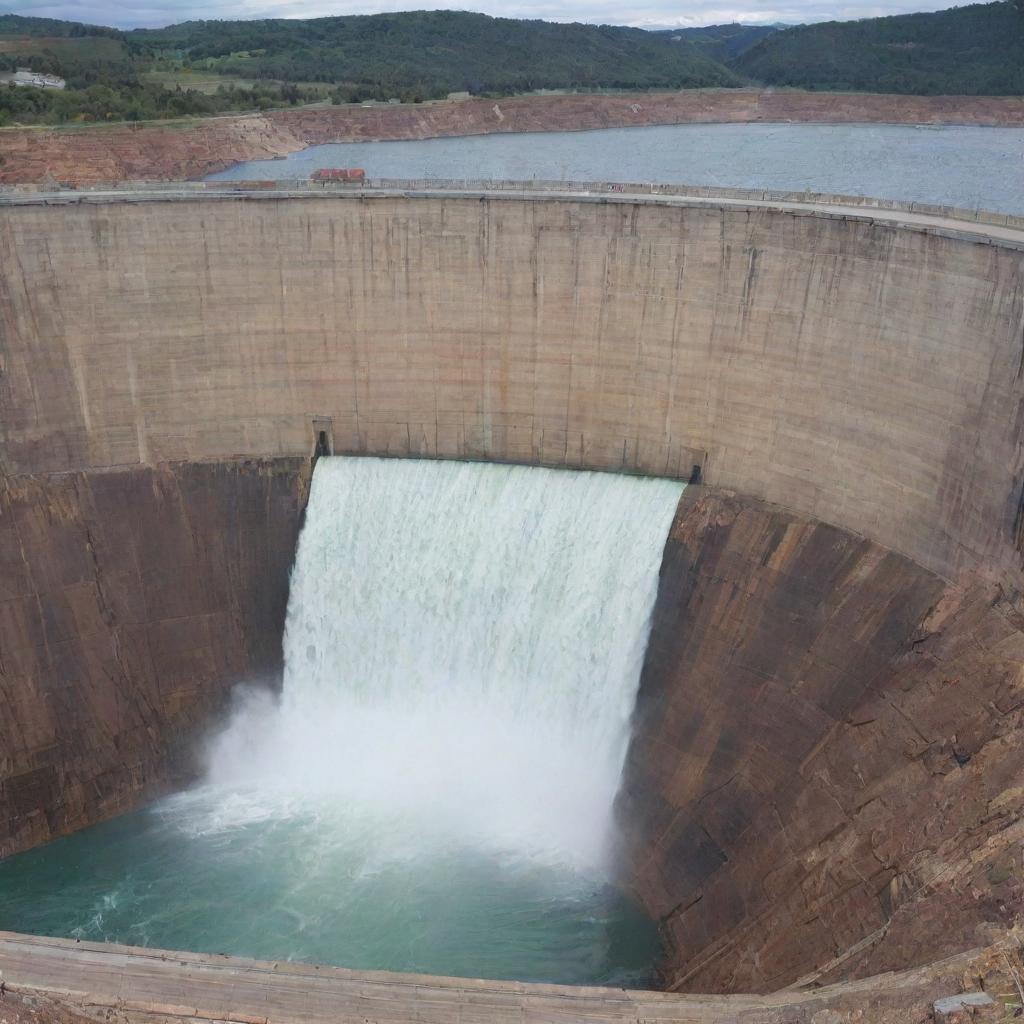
(974, 216)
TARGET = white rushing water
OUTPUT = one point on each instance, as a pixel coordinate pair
(462, 653)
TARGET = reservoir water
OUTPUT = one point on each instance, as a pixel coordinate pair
(432, 789)
(967, 167)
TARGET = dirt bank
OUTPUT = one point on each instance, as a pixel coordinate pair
(38, 1008)
(192, 149)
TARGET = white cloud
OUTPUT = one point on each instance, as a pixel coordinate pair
(646, 14)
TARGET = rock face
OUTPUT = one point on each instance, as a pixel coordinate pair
(825, 771)
(826, 776)
(130, 601)
(193, 149)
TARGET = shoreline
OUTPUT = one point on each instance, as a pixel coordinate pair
(82, 155)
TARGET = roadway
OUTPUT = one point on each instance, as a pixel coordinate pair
(929, 223)
(188, 986)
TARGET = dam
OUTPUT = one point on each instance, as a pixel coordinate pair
(823, 778)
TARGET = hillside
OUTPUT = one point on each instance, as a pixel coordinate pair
(976, 50)
(427, 54)
(723, 43)
(211, 67)
(106, 78)
(22, 25)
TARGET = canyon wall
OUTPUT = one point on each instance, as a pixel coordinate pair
(825, 777)
(130, 602)
(195, 148)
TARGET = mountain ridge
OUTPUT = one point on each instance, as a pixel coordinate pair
(220, 66)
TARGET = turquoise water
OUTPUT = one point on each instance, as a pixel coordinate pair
(305, 888)
(432, 791)
(955, 166)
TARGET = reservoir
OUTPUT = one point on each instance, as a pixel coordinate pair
(956, 166)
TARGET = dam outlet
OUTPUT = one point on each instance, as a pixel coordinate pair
(432, 787)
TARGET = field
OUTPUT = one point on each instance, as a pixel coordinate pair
(208, 82)
(202, 81)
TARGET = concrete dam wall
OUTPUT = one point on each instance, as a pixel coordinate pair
(825, 774)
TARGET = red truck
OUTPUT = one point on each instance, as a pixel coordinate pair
(338, 174)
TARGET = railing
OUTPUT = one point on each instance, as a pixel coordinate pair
(611, 188)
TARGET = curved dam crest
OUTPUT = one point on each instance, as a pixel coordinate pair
(823, 781)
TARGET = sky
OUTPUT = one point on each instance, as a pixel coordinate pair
(641, 13)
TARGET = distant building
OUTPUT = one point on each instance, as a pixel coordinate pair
(35, 79)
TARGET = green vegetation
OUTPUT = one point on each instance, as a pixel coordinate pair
(209, 67)
(82, 60)
(18, 25)
(136, 101)
(107, 80)
(975, 50)
(724, 43)
(428, 54)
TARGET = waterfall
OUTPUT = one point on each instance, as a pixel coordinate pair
(462, 652)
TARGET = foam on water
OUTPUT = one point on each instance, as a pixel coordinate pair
(462, 652)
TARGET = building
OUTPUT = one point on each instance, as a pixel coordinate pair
(26, 76)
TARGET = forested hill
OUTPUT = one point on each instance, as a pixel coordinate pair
(723, 42)
(14, 25)
(208, 67)
(432, 53)
(975, 50)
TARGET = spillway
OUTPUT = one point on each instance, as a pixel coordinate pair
(464, 643)
(433, 788)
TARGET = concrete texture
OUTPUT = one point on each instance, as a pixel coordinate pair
(127, 984)
(85, 155)
(825, 777)
(864, 374)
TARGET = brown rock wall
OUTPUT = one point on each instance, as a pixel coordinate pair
(87, 155)
(828, 752)
(129, 602)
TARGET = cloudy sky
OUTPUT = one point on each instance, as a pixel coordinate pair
(643, 13)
